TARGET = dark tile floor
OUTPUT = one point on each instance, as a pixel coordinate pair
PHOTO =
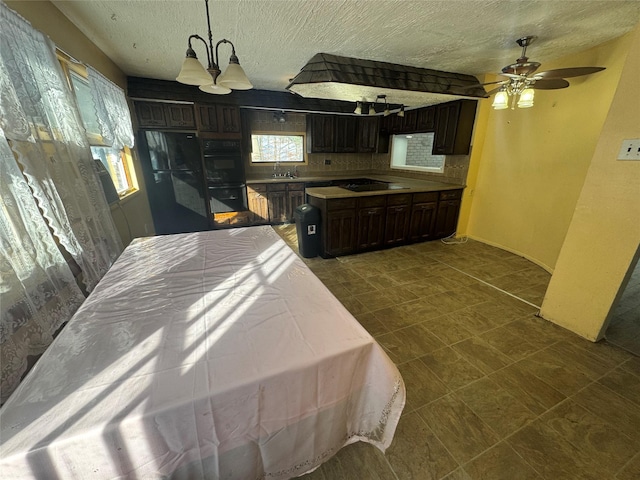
(624, 328)
(493, 392)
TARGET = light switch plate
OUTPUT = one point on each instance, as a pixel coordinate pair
(630, 150)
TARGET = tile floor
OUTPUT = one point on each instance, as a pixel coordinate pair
(493, 392)
(624, 328)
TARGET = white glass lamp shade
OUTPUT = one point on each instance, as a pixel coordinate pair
(234, 78)
(215, 89)
(526, 98)
(501, 100)
(193, 73)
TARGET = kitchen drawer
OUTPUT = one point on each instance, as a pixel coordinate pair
(258, 187)
(377, 201)
(425, 197)
(341, 204)
(277, 187)
(296, 186)
(400, 199)
(451, 195)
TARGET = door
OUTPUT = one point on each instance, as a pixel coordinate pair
(172, 165)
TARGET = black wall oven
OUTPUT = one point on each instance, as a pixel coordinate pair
(224, 171)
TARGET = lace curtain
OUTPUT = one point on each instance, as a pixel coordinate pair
(38, 114)
(39, 292)
(112, 111)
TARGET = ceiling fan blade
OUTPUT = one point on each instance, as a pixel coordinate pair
(568, 72)
(495, 90)
(550, 84)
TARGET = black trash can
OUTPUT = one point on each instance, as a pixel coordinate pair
(308, 229)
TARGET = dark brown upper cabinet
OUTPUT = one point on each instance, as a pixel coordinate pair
(368, 132)
(150, 114)
(414, 121)
(346, 134)
(454, 127)
(207, 118)
(180, 116)
(219, 121)
(165, 115)
(228, 119)
(426, 119)
(320, 133)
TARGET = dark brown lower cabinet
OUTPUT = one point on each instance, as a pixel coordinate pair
(257, 203)
(274, 203)
(396, 225)
(358, 224)
(423, 216)
(448, 210)
(397, 220)
(370, 228)
(295, 196)
(338, 233)
(277, 198)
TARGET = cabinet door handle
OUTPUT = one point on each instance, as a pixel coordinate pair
(372, 212)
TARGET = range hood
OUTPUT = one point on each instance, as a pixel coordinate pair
(352, 79)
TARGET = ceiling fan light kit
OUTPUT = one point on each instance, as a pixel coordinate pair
(211, 80)
(522, 80)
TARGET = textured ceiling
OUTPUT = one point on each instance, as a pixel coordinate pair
(274, 39)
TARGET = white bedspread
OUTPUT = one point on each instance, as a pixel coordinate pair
(203, 355)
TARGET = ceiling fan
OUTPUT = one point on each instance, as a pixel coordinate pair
(522, 79)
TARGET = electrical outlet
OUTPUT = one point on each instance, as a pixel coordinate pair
(630, 150)
(327, 161)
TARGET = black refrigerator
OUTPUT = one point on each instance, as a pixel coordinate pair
(172, 166)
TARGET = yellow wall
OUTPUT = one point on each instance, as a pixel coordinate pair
(528, 165)
(605, 231)
(133, 216)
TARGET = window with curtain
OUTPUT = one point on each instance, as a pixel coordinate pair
(50, 193)
(105, 114)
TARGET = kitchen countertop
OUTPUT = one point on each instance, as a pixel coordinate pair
(411, 185)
